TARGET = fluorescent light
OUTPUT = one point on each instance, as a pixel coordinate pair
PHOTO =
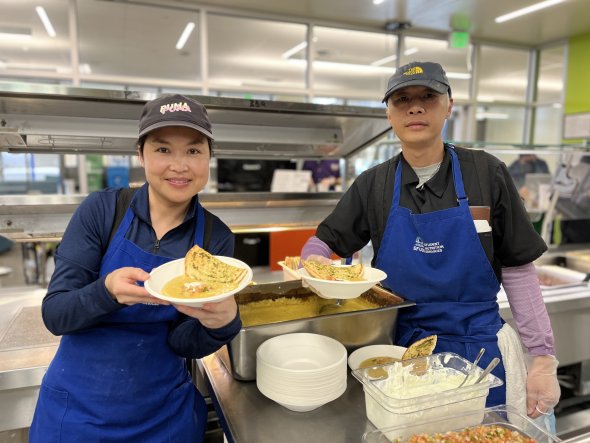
(185, 35)
(351, 67)
(459, 75)
(384, 60)
(491, 116)
(85, 68)
(527, 10)
(294, 50)
(15, 33)
(45, 20)
(392, 58)
(30, 67)
(378, 2)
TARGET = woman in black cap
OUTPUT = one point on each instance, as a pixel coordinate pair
(120, 371)
(447, 226)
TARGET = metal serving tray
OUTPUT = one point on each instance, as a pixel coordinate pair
(352, 329)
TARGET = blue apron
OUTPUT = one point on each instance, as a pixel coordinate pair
(120, 381)
(437, 260)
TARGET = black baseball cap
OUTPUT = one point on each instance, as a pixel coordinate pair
(174, 110)
(428, 74)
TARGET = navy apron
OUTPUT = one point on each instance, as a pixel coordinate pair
(437, 260)
(120, 381)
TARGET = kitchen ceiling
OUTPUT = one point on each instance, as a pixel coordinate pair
(118, 42)
(566, 19)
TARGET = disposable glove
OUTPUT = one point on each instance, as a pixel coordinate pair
(542, 387)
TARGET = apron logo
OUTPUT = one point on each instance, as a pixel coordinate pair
(428, 248)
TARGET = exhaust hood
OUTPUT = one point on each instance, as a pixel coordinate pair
(57, 119)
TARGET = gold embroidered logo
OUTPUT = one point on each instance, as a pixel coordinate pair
(413, 71)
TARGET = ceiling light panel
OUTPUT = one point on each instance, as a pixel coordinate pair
(185, 35)
(528, 10)
(45, 20)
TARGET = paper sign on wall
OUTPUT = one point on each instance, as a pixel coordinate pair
(289, 180)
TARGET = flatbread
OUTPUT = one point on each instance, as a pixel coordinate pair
(420, 348)
(417, 353)
(204, 267)
(293, 262)
(335, 273)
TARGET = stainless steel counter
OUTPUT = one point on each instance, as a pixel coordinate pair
(569, 311)
(23, 358)
(21, 371)
(250, 417)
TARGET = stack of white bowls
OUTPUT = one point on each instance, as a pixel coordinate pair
(301, 371)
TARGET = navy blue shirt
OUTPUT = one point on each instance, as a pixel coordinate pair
(77, 297)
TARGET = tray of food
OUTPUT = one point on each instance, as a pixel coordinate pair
(279, 308)
(500, 423)
(557, 277)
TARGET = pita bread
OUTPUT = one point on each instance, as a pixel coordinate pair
(417, 353)
(335, 273)
(293, 262)
(204, 267)
(420, 348)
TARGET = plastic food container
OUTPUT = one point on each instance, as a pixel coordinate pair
(424, 389)
(504, 416)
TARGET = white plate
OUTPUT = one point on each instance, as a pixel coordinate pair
(343, 289)
(372, 351)
(288, 273)
(163, 274)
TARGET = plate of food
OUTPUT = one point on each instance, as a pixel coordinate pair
(375, 355)
(198, 278)
(339, 281)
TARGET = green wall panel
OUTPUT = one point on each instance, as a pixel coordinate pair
(577, 94)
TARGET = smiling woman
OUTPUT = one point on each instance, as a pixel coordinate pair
(99, 282)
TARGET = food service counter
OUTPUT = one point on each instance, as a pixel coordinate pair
(22, 367)
(248, 416)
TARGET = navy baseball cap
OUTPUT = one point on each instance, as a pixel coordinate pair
(428, 74)
(174, 110)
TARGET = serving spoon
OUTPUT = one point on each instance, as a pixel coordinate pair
(473, 367)
(488, 369)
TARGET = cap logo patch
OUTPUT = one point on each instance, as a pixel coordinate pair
(175, 107)
(413, 71)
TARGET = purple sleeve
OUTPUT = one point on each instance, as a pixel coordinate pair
(521, 285)
(314, 246)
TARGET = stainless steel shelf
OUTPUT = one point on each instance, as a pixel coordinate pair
(45, 217)
(58, 119)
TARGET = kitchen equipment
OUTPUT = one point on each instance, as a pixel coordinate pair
(489, 368)
(504, 416)
(475, 362)
(352, 329)
(404, 397)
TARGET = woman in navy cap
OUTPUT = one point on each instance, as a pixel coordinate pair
(120, 370)
(447, 226)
